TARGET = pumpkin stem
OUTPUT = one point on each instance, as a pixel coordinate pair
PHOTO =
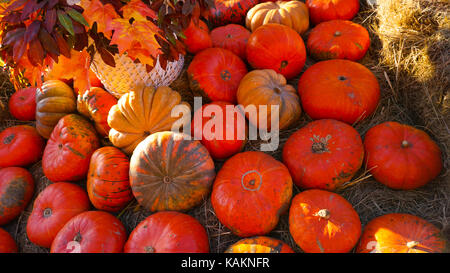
(324, 213)
(8, 139)
(405, 144)
(342, 78)
(277, 90)
(149, 249)
(320, 145)
(47, 212)
(167, 180)
(283, 64)
(77, 237)
(229, 36)
(412, 244)
(225, 75)
(337, 33)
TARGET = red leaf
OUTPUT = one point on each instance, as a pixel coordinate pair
(29, 8)
(50, 20)
(19, 48)
(32, 31)
(15, 6)
(48, 42)
(62, 44)
(12, 36)
(107, 57)
(36, 52)
(138, 10)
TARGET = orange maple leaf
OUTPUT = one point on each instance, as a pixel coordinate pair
(138, 10)
(95, 11)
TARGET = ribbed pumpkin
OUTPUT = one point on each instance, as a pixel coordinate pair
(141, 112)
(339, 89)
(230, 11)
(401, 233)
(338, 39)
(16, 190)
(324, 154)
(250, 193)
(54, 100)
(22, 104)
(277, 47)
(197, 37)
(259, 244)
(169, 172)
(293, 14)
(267, 88)
(168, 232)
(401, 156)
(69, 149)
(232, 37)
(95, 104)
(323, 222)
(52, 209)
(326, 10)
(7, 243)
(108, 182)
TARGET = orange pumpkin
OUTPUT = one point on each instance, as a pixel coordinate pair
(232, 37)
(169, 172)
(326, 10)
(250, 192)
(7, 243)
(259, 244)
(401, 233)
(323, 222)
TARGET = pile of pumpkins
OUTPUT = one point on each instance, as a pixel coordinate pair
(168, 174)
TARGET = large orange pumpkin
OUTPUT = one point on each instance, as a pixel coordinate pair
(277, 47)
(339, 89)
(230, 11)
(16, 190)
(52, 209)
(338, 39)
(323, 154)
(268, 88)
(259, 244)
(401, 233)
(232, 37)
(108, 182)
(323, 222)
(326, 10)
(401, 156)
(169, 172)
(168, 232)
(69, 149)
(7, 243)
(250, 192)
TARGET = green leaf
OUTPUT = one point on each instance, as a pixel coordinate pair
(77, 16)
(66, 22)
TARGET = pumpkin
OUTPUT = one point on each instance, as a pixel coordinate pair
(326, 10)
(168, 232)
(22, 104)
(197, 37)
(215, 74)
(52, 209)
(277, 47)
(141, 112)
(16, 190)
(230, 11)
(250, 192)
(401, 156)
(324, 154)
(323, 222)
(7, 243)
(95, 104)
(401, 233)
(232, 37)
(90, 232)
(339, 89)
(219, 145)
(267, 88)
(170, 172)
(69, 149)
(259, 244)
(54, 100)
(20, 145)
(293, 14)
(108, 182)
(338, 39)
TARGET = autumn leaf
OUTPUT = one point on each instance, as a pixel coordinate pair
(95, 11)
(138, 10)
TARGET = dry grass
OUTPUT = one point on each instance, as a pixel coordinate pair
(409, 55)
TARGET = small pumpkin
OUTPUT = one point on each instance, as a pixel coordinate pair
(232, 37)
(324, 154)
(259, 244)
(323, 222)
(230, 11)
(16, 190)
(339, 89)
(250, 192)
(91, 232)
(277, 47)
(69, 149)
(338, 39)
(95, 104)
(401, 233)
(293, 14)
(215, 74)
(268, 88)
(22, 104)
(141, 112)
(326, 10)
(108, 182)
(54, 100)
(52, 209)
(20, 146)
(197, 37)
(401, 156)
(7, 243)
(168, 232)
